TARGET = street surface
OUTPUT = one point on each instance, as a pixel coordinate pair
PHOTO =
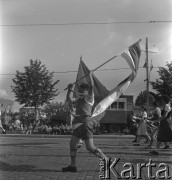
(42, 157)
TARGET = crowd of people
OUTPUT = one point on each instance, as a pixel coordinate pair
(24, 124)
(39, 129)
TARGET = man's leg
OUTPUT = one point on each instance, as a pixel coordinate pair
(73, 150)
(96, 151)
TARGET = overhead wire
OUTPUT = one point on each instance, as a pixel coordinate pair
(65, 72)
(85, 23)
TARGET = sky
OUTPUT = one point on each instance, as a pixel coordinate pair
(58, 32)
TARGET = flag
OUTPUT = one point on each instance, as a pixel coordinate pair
(145, 65)
(99, 90)
(132, 57)
(151, 67)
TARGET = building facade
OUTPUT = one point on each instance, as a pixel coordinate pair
(116, 117)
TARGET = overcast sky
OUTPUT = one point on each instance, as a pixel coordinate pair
(59, 47)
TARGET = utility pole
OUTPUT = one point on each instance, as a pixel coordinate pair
(147, 77)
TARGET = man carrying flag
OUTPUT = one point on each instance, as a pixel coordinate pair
(83, 124)
(100, 91)
(84, 120)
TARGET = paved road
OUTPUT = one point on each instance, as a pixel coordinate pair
(38, 158)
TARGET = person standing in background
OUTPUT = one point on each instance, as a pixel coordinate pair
(3, 130)
(142, 128)
(155, 122)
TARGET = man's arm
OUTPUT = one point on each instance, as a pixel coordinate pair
(69, 93)
(91, 91)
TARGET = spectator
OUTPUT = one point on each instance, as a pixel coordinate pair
(3, 130)
(155, 117)
(17, 123)
(41, 128)
(48, 129)
(62, 128)
(30, 129)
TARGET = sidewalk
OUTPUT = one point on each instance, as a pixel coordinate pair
(36, 158)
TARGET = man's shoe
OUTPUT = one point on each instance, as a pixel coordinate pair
(69, 169)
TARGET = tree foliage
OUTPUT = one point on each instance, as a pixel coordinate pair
(163, 85)
(57, 112)
(142, 97)
(35, 85)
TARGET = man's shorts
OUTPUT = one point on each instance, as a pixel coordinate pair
(85, 130)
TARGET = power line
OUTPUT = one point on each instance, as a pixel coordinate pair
(65, 72)
(162, 39)
(85, 23)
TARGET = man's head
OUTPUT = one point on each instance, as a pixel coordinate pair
(84, 88)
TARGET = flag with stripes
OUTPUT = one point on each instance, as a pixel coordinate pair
(132, 57)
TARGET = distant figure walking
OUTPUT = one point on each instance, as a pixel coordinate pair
(142, 128)
(155, 122)
(3, 130)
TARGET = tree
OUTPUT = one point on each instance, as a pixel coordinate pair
(163, 85)
(141, 98)
(57, 113)
(34, 86)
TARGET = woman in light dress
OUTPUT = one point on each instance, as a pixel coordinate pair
(142, 128)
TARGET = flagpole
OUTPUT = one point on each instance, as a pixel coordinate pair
(147, 77)
(102, 64)
(114, 57)
(94, 70)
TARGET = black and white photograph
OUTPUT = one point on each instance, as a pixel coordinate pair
(85, 89)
